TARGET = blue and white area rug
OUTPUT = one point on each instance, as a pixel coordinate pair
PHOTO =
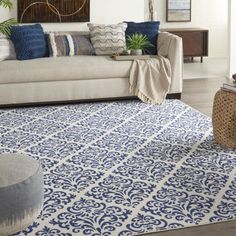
(123, 168)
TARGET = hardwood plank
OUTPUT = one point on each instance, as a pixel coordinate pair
(218, 229)
(199, 93)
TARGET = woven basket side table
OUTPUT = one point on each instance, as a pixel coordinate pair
(224, 118)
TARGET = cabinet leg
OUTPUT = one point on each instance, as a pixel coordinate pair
(201, 59)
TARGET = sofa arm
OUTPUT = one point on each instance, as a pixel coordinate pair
(171, 46)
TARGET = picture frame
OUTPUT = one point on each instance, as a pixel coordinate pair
(53, 11)
(178, 10)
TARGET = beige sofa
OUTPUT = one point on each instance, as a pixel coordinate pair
(79, 78)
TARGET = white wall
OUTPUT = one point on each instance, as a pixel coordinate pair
(232, 38)
(101, 11)
(113, 11)
(209, 14)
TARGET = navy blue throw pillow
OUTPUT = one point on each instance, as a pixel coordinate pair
(29, 41)
(149, 28)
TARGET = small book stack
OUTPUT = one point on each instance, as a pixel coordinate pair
(230, 86)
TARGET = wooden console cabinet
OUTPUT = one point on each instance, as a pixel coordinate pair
(195, 41)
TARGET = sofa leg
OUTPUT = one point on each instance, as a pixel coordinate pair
(174, 96)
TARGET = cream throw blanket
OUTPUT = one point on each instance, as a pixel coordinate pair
(150, 79)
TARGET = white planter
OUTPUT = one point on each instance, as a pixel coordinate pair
(136, 52)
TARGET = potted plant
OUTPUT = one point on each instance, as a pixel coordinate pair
(138, 43)
(5, 26)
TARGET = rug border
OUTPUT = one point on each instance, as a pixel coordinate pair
(187, 227)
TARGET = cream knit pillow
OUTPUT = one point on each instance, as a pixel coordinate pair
(108, 39)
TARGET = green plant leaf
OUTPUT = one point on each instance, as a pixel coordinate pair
(5, 26)
(6, 4)
(138, 41)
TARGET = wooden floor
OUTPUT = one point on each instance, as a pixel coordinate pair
(199, 93)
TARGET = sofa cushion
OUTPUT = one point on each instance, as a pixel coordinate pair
(85, 33)
(69, 45)
(7, 50)
(108, 39)
(150, 29)
(63, 68)
(29, 41)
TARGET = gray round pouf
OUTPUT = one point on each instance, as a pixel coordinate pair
(21, 192)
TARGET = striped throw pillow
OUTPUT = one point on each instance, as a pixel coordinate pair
(7, 50)
(69, 45)
(108, 39)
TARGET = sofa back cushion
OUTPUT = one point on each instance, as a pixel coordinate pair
(108, 39)
(67, 44)
(150, 29)
(84, 33)
(7, 50)
(29, 41)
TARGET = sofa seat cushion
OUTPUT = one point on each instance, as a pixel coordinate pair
(63, 68)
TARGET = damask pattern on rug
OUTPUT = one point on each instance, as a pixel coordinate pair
(123, 168)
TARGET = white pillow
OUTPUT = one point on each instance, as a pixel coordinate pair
(108, 39)
(7, 50)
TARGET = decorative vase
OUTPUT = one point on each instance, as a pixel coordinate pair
(151, 10)
(136, 52)
(152, 14)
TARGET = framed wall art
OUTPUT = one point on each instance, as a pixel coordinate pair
(32, 11)
(178, 10)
